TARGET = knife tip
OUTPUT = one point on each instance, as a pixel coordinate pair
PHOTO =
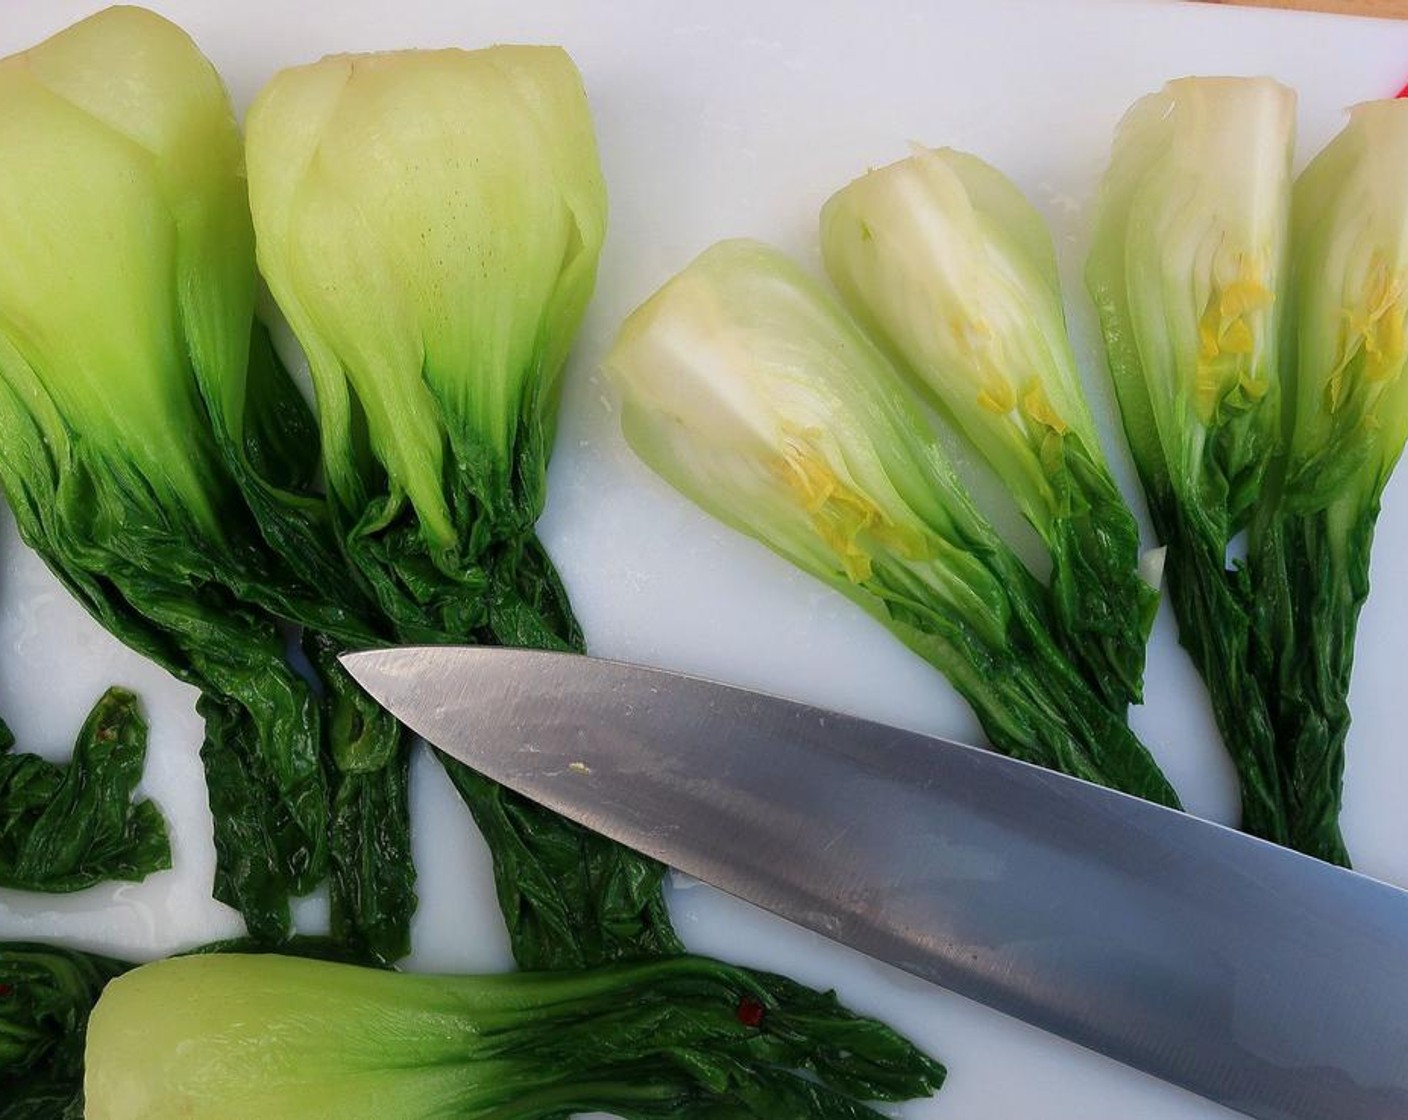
(390, 671)
(364, 665)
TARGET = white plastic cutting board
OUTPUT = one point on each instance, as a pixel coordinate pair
(739, 118)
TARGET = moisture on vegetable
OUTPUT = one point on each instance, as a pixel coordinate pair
(751, 391)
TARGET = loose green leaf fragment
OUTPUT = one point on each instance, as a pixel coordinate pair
(237, 1036)
(954, 273)
(751, 392)
(64, 827)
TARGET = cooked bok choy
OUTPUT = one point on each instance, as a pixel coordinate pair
(1188, 273)
(953, 271)
(677, 1039)
(127, 279)
(269, 1036)
(751, 391)
(67, 826)
(429, 222)
(1347, 403)
(46, 996)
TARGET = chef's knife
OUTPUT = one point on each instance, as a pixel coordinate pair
(1255, 976)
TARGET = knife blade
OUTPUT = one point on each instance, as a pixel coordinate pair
(1255, 976)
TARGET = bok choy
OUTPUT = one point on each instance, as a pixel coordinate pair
(749, 389)
(1346, 399)
(127, 277)
(429, 222)
(233, 1036)
(1188, 273)
(953, 272)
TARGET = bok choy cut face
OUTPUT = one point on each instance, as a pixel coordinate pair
(752, 392)
(1349, 319)
(1188, 272)
(954, 272)
(1347, 405)
(953, 269)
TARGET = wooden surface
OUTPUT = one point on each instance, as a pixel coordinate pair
(1386, 9)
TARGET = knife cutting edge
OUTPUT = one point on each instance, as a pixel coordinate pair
(1253, 975)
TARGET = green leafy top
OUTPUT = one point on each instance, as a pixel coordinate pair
(1349, 408)
(1187, 270)
(434, 289)
(754, 394)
